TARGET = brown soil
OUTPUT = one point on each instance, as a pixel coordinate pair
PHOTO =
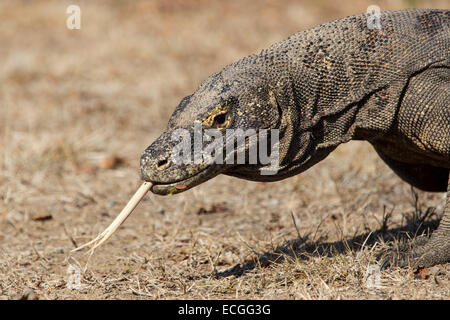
(78, 107)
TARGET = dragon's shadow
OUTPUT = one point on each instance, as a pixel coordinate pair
(301, 248)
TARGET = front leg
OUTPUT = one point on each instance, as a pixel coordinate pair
(424, 252)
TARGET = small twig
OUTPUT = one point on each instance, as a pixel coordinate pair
(385, 219)
(70, 236)
(140, 293)
(38, 254)
(295, 225)
(248, 246)
(123, 215)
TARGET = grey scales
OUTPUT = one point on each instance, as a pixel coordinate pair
(322, 87)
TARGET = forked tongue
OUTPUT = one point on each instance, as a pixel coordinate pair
(123, 215)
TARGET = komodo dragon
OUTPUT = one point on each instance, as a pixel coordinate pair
(322, 87)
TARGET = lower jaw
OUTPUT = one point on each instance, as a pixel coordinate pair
(169, 189)
(183, 185)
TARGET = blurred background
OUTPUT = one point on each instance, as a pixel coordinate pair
(77, 109)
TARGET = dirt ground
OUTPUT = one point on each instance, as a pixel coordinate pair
(77, 109)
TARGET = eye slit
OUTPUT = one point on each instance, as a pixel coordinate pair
(220, 119)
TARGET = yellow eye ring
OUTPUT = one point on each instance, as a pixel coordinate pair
(218, 118)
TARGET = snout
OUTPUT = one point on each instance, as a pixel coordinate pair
(156, 162)
(151, 168)
(171, 172)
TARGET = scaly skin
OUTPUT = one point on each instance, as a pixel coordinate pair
(337, 82)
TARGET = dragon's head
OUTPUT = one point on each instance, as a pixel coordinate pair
(203, 134)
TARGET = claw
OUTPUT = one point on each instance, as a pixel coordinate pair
(403, 254)
(384, 263)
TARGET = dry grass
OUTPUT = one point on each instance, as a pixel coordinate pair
(72, 100)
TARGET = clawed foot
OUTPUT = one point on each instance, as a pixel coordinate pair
(421, 252)
(406, 254)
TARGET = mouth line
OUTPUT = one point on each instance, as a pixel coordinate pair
(162, 184)
(169, 188)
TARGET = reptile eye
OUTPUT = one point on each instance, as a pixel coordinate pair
(220, 120)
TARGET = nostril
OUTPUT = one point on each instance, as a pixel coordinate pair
(162, 163)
